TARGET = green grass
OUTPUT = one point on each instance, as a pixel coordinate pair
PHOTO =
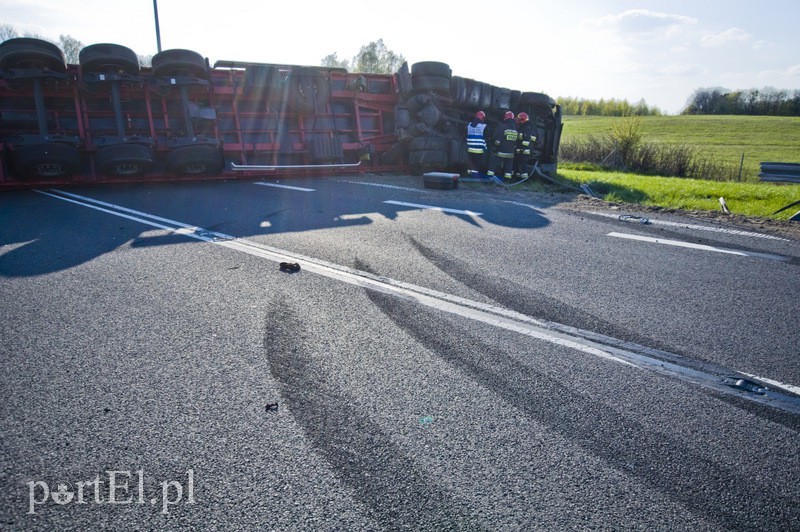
(722, 138)
(750, 199)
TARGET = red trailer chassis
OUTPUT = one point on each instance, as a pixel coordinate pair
(108, 121)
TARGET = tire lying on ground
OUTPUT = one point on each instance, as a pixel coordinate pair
(124, 160)
(26, 52)
(179, 62)
(106, 57)
(52, 160)
(196, 160)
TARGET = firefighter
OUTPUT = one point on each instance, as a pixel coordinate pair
(476, 144)
(504, 147)
(525, 140)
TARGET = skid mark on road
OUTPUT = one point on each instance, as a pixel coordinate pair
(611, 349)
(661, 462)
(379, 473)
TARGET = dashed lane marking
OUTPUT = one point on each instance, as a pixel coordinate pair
(697, 227)
(680, 243)
(432, 207)
(288, 187)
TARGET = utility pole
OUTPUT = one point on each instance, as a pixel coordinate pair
(158, 31)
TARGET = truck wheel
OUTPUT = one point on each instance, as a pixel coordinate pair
(178, 62)
(458, 90)
(308, 91)
(438, 84)
(431, 68)
(25, 52)
(529, 98)
(124, 160)
(427, 159)
(430, 115)
(429, 143)
(105, 57)
(195, 160)
(52, 160)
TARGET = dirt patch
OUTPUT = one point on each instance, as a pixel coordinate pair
(782, 228)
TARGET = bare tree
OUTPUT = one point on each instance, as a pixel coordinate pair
(71, 48)
(7, 32)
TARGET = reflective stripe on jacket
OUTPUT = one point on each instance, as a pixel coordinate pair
(505, 139)
(475, 141)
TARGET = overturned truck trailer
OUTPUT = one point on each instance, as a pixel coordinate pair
(108, 120)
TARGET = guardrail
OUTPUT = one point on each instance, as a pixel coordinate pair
(780, 172)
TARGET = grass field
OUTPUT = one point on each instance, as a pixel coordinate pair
(723, 138)
(750, 199)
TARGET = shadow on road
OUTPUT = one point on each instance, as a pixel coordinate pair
(40, 234)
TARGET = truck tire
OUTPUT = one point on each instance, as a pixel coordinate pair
(430, 115)
(402, 117)
(428, 158)
(473, 94)
(105, 57)
(52, 160)
(419, 130)
(535, 98)
(195, 160)
(307, 91)
(487, 94)
(438, 84)
(418, 101)
(431, 68)
(429, 143)
(179, 62)
(458, 90)
(26, 52)
(124, 160)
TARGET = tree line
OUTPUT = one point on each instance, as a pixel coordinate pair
(603, 107)
(766, 101)
(68, 44)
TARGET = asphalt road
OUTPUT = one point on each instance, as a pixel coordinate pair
(497, 362)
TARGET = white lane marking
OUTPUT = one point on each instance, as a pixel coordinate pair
(534, 207)
(698, 227)
(432, 207)
(289, 187)
(788, 387)
(679, 243)
(616, 350)
(393, 187)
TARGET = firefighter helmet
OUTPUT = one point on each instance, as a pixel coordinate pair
(508, 115)
(480, 115)
(522, 117)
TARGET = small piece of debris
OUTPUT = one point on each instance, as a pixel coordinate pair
(290, 267)
(272, 407)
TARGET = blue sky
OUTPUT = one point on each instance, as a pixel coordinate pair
(656, 50)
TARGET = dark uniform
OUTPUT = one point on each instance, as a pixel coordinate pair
(525, 140)
(504, 144)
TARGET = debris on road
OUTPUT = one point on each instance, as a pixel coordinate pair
(289, 267)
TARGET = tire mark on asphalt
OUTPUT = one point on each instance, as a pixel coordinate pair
(536, 305)
(364, 456)
(706, 489)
